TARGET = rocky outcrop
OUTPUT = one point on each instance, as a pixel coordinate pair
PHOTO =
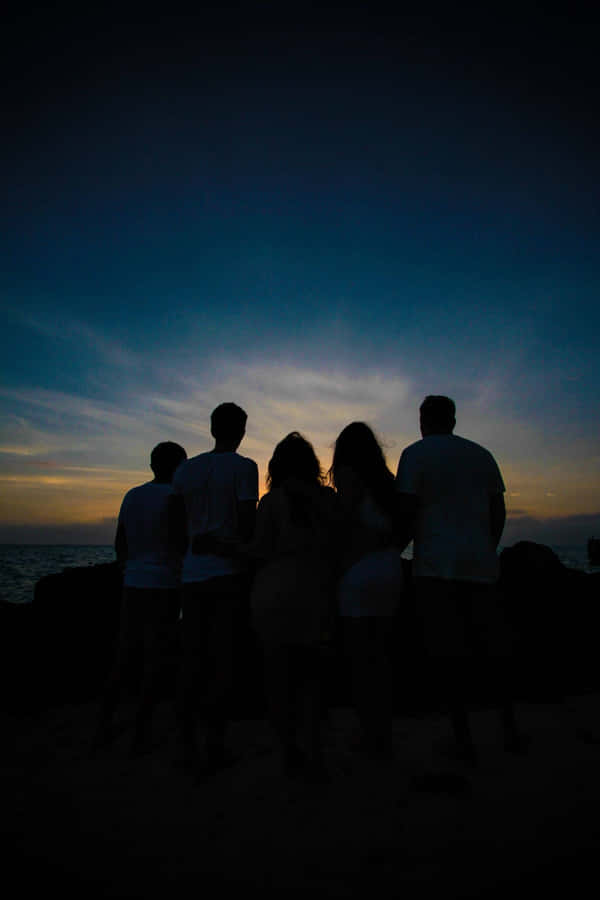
(75, 618)
(555, 616)
(62, 644)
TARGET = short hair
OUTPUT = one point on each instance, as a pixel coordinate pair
(166, 456)
(438, 410)
(228, 421)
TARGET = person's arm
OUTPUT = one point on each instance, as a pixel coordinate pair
(409, 487)
(247, 496)
(121, 545)
(405, 519)
(262, 545)
(497, 517)
(177, 523)
(246, 517)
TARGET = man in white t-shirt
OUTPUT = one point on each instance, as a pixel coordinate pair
(151, 567)
(213, 507)
(452, 495)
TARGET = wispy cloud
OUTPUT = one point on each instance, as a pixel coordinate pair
(97, 441)
(71, 330)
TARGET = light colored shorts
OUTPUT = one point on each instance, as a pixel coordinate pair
(372, 586)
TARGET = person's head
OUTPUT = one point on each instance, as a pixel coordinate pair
(228, 424)
(437, 415)
(165, 458)
(294, 457)
(358, 448)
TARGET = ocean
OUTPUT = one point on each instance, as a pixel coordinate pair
(21, 565)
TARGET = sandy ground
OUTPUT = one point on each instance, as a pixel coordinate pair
(113, 826)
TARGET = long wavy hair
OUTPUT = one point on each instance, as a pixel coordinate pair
(294, 457)
(357, 448)
(294, 460)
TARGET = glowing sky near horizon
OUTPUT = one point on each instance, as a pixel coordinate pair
(322, 227)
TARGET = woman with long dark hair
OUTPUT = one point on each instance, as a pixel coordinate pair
(372, 580)
(293, 595)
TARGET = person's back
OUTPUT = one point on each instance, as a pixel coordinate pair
(451, 491)
(295, 546)
(212, 486)
(151, 560)
(370, 588)
(213, 509)
(150, 604)
(454, 480)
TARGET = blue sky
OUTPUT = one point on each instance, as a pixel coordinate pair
(322, 224)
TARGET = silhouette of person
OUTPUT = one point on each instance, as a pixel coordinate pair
(295, 544)
(451, 492)
(151, 578)
(372, 580)
(213, 506)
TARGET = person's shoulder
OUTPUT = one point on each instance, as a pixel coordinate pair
(188, 465)
(245, 461)
(136, 493)
(413, 450)
(269, 498)
(472, 447)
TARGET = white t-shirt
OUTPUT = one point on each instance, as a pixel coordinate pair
(143, 516)
(454, 480)
(211, 485)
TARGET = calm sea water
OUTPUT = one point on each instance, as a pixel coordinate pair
(21, 565)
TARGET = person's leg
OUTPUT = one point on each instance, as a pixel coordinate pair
(162, 609)
(307, 675)
(127, 648)
(460, 670)
(440, 610)
(380, 687)
(197, 611)
(281, 704)
(370, 679)
(494, 645)
(226, 597)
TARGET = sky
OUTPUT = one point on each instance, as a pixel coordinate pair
(320, 213)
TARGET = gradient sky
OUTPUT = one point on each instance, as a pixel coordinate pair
(322, 217)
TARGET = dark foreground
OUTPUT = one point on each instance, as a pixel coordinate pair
(116, 827)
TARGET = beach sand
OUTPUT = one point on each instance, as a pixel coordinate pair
(113, 827)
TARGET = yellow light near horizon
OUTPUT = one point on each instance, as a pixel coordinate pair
(94, 494)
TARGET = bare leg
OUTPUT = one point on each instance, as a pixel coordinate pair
(281, 706)
(127, 645)
(371, 689)
(154, 651)
(187, 681)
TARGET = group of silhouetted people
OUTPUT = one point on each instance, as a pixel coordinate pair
(317, 552)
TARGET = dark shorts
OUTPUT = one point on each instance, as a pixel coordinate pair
(210, 607)
(211, 611)
(462, 619)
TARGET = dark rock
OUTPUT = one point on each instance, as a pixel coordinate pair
(18, 663)
(76, 618)
(553, 611)
(63, 643)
